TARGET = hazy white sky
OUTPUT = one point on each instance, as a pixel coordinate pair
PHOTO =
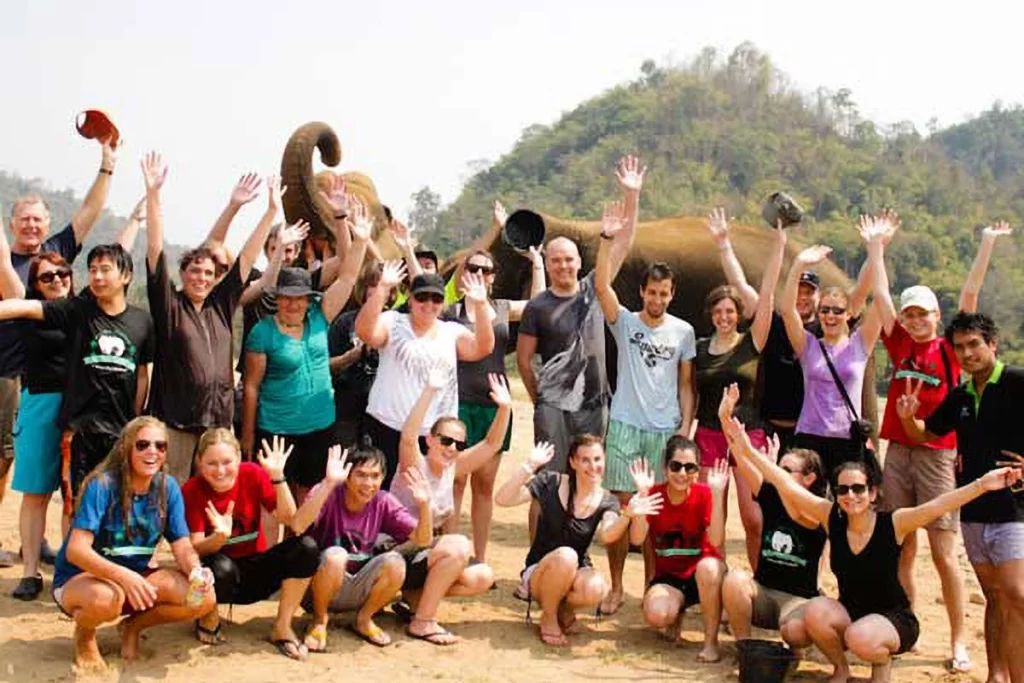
(415, 90)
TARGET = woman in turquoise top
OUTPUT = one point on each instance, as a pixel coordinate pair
(287, 390)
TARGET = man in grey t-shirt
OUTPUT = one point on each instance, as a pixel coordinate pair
(654, 398)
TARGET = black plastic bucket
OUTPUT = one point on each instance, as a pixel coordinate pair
(763, 661)
(524, 229)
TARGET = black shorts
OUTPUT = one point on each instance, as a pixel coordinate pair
(415, 566)
(88, 449)
(247, 580)
(386, 440)
(308, 460)
(688, 587)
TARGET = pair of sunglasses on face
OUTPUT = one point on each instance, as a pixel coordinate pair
(447, 441)
(855, 489)
(48, 278)
(432, 297)
(838, 310)
(143, 445)
(476, 268)
(675, 466)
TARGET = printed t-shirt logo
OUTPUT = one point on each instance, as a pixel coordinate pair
(779, 547)
(650, 350)
(112, 351)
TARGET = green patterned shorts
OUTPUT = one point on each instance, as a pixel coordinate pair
(626, 443)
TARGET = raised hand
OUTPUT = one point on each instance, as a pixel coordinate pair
(392, 274)
(1001, 478)
(154, 171)
(246, 189)
(272, 457)
(500, 216)
(813, 254)
(719, 226)
(292, 234)
(718, 477)
(475, 287)
(419, 487)
(438, 376)
(541, 455)
(337, 466)
(536, 256)
(360, 222)
(275, 194)
(499, 389)
(730, 397)
(613, 219)
(401, 233)
(643, 479)
(109, 154)
(630, 174)
(771, 453)
(221, 523)
(645, 504)
(890, 221)
(997, 229)
(908, 403)
(336, 197)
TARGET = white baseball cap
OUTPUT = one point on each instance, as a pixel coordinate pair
(919, 296)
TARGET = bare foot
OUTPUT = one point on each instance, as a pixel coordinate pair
(880, 672)
(566, 617)
(840, 675)
(709, 654)
(129, 639)
(674, 632)
(611, 603)
(87, 650)
(551, 632)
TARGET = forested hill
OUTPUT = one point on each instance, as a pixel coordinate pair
(730, 130)
(63, 204)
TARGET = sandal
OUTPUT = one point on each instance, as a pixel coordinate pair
(292, 649)
(403, 611)
(319, 635)
(440, 636)
(375, 636)
(209, 636)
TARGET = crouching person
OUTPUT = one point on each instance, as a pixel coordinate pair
(224, 504)
(102, 571)
(345, 514)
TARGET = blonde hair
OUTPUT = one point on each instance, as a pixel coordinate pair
(214, 436)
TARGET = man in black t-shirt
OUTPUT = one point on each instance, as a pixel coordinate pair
(985, 412)
(111, 345)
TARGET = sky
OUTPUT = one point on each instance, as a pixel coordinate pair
(416, 91)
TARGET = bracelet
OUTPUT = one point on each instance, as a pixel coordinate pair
(606, 236)
(107, 171)
(275, 482)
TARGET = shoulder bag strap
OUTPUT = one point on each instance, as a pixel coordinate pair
(949, 372)
(839, 383)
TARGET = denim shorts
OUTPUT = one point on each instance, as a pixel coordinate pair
(995, 543)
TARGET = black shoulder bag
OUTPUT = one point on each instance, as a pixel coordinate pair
(860, 430)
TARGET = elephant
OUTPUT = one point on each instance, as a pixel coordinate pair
(682, 242)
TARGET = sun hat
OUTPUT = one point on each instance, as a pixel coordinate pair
(919, 296)
(294, 282)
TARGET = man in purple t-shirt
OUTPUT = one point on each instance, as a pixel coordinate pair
(345, 514)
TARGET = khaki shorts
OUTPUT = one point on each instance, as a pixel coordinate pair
(773, 607)
(915, 475)
(181, 448)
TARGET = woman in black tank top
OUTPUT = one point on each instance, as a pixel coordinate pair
(872, 617)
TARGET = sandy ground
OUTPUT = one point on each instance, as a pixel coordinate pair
(35, 638)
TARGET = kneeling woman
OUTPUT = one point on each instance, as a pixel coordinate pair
(872, 617)
(686, 535)
(224, 504)
(573, 509)
(102, 571)
(775, 596)
(443, 568)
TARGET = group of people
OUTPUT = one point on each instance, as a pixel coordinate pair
(371, 393)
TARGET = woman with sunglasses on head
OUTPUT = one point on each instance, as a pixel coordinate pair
(776, 595)
(574, 508)
(729, 356)
(834, 366)
(128, 503)
(412, 343)
(443, 568)
(872, 617)
(476, 409)
(224, 506)
(686, 535)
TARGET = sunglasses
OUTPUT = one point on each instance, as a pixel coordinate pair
(143, 445)
(675, 466)
(48, 278)
(432, 297)
(855, 489)
(475, 268)
(831, 309)
(447, 441)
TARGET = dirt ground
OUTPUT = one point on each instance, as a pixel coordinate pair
(35, 638)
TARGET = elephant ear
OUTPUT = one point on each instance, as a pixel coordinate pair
(302, 200)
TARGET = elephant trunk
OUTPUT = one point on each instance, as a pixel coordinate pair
(302, 200)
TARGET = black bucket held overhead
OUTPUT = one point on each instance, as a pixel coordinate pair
(763, 661)
(523, 229)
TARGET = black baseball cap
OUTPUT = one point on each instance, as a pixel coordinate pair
(427, 282)
(426, 253)
(809, 277)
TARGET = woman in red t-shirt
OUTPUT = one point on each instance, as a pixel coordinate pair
(224, 505)
(686, 535)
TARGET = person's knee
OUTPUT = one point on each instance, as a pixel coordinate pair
(563, 557)
(821, 615)
(393, 569)
(794, 632)
(104, 603)
(659, 613)
(456, 547)
(737, 587)
(593, 589)
(710, 573)
(864, 641)
(333, 564)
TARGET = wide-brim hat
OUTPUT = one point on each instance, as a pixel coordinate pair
(95, 124)
(294, 282)
(524, 229)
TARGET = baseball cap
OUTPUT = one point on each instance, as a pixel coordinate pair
(919, 296)
(426, 253)
(809, 277)
(96, 124)
(427, 282)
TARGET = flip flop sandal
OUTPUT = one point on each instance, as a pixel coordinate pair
(376, 637)
(318, 633)
(403, 611)
(959, 665)
(298, 651)
(213, 634)
(438, 637)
